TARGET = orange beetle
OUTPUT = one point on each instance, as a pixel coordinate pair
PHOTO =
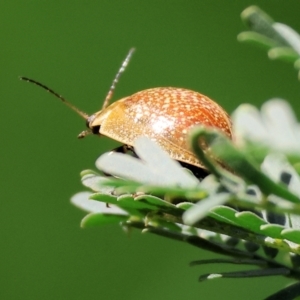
(164, 114)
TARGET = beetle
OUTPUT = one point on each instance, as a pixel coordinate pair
(164, 114)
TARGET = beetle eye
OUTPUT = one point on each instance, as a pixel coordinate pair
(96, 129)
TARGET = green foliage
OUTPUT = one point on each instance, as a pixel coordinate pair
(249, 205)
(281, 41)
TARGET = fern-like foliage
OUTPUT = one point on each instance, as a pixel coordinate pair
(247, 208)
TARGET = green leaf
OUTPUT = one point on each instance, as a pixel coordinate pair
(128, 167)
(96, 182)
(234, 261)
(185, 205)
(224, 214)
(160, 162)
(292, 235)
(258, 21)
(289, 34)
(155, 168)
(169, 191)
(88, 172)
(283, 53)
(128, 206)
(240, 163)
(159, 222)
(247, 274)
(289, 293)
(250, 221)
(129, 202)
(202, 208)
(257, 39)
(154, 201)
(281, 41)
(272, 230)
(110, 199)
(99, 219)
(297, 64)
(82, 200)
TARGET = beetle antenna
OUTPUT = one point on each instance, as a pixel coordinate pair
(78, 111)
(116, 79)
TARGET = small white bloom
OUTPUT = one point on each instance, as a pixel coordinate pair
(274, 126)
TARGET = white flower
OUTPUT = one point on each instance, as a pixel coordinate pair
(275, 126)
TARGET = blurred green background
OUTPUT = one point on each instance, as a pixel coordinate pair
(76, 47)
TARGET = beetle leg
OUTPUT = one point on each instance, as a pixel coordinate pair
(125, 149)
(84, 133)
